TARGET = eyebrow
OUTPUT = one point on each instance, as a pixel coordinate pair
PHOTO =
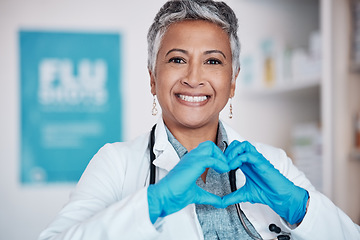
(176, 50)
(215, 51)
(186, 52)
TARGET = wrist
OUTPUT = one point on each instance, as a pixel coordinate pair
(300, 211)
(307, 205)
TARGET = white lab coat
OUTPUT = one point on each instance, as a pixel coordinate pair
(110, 200)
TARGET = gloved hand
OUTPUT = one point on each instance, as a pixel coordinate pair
(178, 188)
(265, 184)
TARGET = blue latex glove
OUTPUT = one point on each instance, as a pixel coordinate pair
(178, 188)
(265, 184)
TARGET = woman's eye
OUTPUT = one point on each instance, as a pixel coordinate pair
(176, 60)
(213, 61)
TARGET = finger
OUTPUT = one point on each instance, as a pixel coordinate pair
(266, 176)
(204, 197)
(249, 147)
(209, 148)
(237, 148)
(233, 149)
(193, 166)
(256, 179)
(240, 195)
(259, 175)
(208, 155)
(257, 160)
(216, 164)
(240, 159)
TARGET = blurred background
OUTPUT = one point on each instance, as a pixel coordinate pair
(73, 77)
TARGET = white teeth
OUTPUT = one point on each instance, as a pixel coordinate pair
(193, 98)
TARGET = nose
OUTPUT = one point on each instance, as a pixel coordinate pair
(193, 77)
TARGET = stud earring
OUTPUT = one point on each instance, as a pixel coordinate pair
(231, 109)
(154, 110)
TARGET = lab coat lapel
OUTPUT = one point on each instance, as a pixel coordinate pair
(166, 156)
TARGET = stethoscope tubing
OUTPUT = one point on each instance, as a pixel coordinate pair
(232, 179)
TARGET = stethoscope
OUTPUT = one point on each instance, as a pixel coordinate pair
(232, 178)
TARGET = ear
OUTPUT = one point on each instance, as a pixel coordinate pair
(232, 89)
(152, 82)
(233, 85)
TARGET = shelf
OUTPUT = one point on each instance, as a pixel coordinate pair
(293, 88)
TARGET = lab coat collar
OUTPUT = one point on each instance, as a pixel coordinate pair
(166, 156)
(231, 133)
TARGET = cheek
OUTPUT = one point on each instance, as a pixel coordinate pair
(163, 87)
(222, 83)
(162, 83)
(223, 91)
(221, 74)
(166, 79)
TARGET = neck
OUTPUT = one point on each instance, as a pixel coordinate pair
(190, 138)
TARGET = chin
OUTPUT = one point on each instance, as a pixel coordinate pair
(194, 122)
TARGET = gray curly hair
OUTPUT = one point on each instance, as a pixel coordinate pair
(179, 10)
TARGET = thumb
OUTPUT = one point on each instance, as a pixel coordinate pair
(238, 196)
(204, 197)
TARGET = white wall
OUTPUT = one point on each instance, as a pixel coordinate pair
(25, 211)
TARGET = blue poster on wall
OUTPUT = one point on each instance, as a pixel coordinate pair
(70, 102)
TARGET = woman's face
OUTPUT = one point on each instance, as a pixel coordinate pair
(193, 74)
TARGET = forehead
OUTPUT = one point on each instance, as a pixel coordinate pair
(197, 34)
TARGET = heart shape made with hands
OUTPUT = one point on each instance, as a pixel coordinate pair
(263, 183)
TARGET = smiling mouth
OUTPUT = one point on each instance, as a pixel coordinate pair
(192, 99)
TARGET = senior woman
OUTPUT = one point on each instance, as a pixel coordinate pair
(193, 64)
